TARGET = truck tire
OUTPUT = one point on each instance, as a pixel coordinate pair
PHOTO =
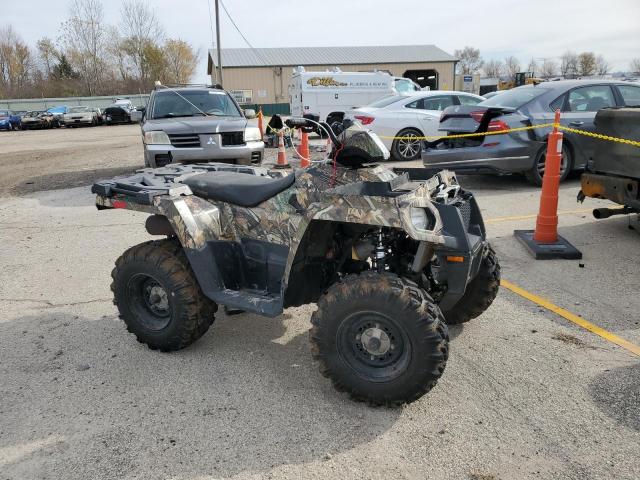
(158, 296)
(380, 338)
(534, 176)
(406, 149)
(480, 293)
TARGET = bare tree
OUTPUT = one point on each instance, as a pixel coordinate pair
(533, 66)
(549, 68)
(48, 54)
(512, 66)
(181, 61)
(569, 64)
(602, 66)
(634, 66)
(586, 64)
(493, 68)
(469, 60)
(141, 29)
(16, 61)
(85, 41)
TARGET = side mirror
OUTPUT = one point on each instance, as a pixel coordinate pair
(250, 113)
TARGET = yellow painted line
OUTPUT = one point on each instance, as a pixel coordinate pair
(534, 215)
(581, 322)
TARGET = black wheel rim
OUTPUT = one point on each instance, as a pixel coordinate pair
(374, 345)
(542, 161)
(149, 301)
(409, 145)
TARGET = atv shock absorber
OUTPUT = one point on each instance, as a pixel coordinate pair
(380, 253)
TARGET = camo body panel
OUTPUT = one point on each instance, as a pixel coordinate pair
(283, 219)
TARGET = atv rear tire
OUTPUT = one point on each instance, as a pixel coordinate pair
(480, 292)
(158, 296)
(380, 338)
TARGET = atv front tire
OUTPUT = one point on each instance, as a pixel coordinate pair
(158, 296)
(379, 338)
(480, 292)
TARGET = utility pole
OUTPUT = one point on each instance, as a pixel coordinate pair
(218, 42)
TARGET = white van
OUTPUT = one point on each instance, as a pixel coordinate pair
(335, 92)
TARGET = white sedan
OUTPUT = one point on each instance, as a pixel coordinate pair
(409, 116)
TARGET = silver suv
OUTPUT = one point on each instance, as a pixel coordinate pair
(198, 124)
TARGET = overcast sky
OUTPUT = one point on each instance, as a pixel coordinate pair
(526, 29)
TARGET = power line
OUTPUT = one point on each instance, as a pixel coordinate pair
(213, 42)
(224, 7)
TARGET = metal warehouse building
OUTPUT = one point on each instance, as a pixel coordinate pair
(262, 76)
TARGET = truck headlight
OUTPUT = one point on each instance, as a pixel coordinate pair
(156, 137)
(252, 134)
(419, 218)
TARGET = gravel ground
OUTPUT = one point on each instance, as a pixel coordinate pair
(525, 393)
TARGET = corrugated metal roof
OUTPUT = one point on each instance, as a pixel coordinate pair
(259, 57)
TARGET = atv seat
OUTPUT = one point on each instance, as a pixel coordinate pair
(241, 189)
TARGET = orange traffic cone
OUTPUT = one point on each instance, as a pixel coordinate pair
(260, 125)
(282, 156)
(544, 242)
(303, 151)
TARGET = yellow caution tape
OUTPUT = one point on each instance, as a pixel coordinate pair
(599, 136)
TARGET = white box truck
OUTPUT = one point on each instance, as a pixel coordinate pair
(331, 93)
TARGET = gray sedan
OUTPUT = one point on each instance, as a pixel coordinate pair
(524, 151)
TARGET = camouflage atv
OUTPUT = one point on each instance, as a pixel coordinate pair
(388, 258)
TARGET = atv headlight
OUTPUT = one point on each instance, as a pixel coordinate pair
(252, 134)
(419, 218)
(156, 137)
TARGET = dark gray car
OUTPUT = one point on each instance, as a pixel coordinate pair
(197, 124)
(524, 152)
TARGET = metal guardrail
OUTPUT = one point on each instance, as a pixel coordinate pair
(19, 104)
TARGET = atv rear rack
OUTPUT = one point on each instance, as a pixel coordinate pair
(148, 183)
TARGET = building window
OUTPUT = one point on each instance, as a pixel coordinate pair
(242, 96)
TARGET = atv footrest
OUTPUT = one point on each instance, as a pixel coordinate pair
(251, 300)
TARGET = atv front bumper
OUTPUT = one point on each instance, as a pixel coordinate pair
(460, 257)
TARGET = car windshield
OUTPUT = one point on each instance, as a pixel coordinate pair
(404, 86)
(385, 101)
(515, 98)
(78, 109)
(57, 110)
(189, 103)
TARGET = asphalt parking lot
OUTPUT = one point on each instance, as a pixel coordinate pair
(526, 393)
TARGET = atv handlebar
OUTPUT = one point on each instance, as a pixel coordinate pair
(309, 122)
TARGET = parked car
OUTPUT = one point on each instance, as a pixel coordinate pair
(524, 151)
(197, 124)
(492, 94)
(409, 116)
(99, 114)
(37, 119)
(10, 120)
(58, 112)
(119, 112)
(77, 116)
